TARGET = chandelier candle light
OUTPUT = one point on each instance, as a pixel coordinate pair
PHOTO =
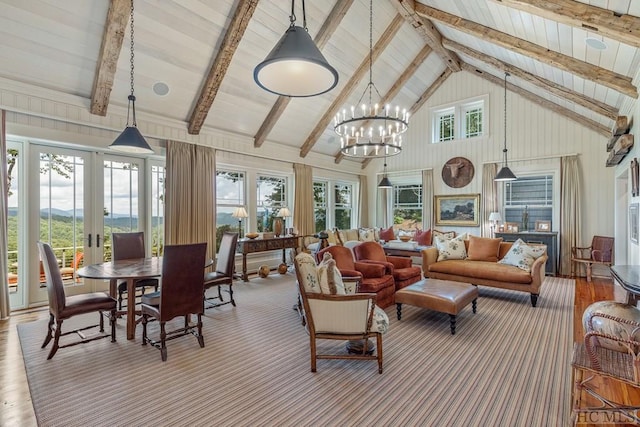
(371, 130)
(131, 140)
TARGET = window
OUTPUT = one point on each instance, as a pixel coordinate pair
(272, 192)
(462, 120)
(320, 205)
(407, 206)
(343, 201)
(157, 209)
(533, 194)
(230, 194)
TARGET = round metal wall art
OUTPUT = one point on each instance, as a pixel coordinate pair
(458, 172)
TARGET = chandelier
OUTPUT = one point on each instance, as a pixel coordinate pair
(371, 130)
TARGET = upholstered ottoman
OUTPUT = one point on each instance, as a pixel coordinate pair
(440, 295)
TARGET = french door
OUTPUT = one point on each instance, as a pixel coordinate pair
(82, 198)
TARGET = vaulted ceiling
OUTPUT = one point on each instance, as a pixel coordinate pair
(204, 51)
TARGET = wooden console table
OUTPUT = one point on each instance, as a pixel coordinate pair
(247, 246)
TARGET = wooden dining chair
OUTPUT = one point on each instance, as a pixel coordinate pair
(223, 274)
(130, 246)
(62, 307)
(180, 295)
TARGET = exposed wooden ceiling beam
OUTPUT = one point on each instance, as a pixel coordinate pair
(233, 35)
(623, 28)
(431, 90)
(428, 31)
(402, 80)
(591, 124)
(358, 74)
(112, 37)
(554, 88)
(330, 25)
(567, 63)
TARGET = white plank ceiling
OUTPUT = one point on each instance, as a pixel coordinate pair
(56, 45)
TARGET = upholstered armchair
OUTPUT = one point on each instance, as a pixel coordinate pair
(600, 252)
(371, 277)
(404, 273)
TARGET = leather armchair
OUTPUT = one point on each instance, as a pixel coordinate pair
(404, 273)
(371, 277)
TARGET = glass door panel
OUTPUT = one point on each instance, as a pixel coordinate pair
(15, 227)
(157, 209)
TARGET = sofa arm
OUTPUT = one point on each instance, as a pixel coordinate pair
(388, 267)
(370, 270)
(429, 256)
(399, 261)
(346, 274)
(537, 273)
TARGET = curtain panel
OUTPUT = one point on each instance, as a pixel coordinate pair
(363, 203)
(4, 214)
(570, 211)
(427, 199)
(190, 195)
(489, 197)
(303, 213)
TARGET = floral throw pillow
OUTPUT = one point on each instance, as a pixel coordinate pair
(329, 276)
(366, 235)
(522, 255)
(451, 248)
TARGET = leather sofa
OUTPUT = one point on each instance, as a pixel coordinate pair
(486, 273)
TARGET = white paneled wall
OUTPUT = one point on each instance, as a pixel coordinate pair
(533, 132)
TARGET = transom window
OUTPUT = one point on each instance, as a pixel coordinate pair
(462, 120)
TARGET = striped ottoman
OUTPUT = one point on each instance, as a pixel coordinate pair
(444, 296)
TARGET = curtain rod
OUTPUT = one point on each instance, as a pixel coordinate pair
(553, 156)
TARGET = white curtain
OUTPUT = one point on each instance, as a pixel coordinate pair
(489, 197)
(570, 211)
(4, 213)
(190, 195)
(427, 199)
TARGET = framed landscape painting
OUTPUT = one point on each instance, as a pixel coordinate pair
(459, 210)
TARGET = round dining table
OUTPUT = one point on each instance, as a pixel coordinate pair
(130, 270)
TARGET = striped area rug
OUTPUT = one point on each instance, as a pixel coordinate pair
(507, 365)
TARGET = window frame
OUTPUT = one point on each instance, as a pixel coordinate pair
(460, 109)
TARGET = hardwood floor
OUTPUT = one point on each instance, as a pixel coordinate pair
(17, 409)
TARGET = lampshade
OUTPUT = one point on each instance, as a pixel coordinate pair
(505, 174)
(283, 213)
(385, 183)
(240, 213)
(495, 216)
(131, 141)
(295, 67)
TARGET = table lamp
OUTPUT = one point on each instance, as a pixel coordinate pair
(281, 217)
(494, 218)
(240, 213)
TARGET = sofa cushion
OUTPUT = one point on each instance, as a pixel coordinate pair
(423, 237)
(483, 249)
(482, 270)
(366, 235)
(387, 234)
(331, 237)
(522, 255)
(450, 248)
(445, 234)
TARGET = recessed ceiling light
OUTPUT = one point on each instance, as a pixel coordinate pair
(595, 43)
(160, 88)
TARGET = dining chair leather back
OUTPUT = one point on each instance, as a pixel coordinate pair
(223, 274)
(130, 246)
(62, 307)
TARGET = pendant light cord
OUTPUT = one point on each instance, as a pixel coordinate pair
(504, 150)
(292, 17)
(132, 99)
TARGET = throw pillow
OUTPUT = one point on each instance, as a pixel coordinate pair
(423, 237)
(451, 248)
(351, 234)
(329, 276)
(387, 234)
(445, 234)
(366, 235)
(307, 272)
(331, 237)
(522, 255)
(341, 237)
(483, 249)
